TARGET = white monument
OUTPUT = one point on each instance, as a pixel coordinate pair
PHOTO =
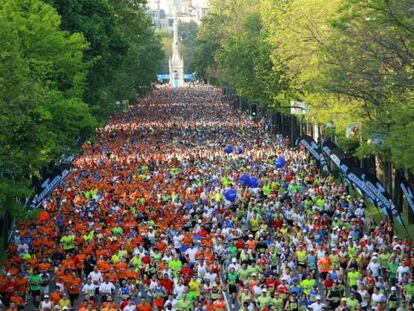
(176, 62)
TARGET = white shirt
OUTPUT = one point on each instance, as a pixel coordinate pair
(22, 249)
(96, 277)
(107, 288)
(201, 271)
(191, 252)
(236, 266)
(46, 305)
(401, 270)
(376, 298)
(374, 267)
(211, 276)
(88, 289)
(130, 308)
(177, 241)
(172, 302)
(178, 290)
(317, 306)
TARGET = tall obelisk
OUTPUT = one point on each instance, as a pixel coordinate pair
(176, 62)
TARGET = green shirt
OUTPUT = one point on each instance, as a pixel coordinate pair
(301, 256)
(263, 300)
(353, 277)
(278, 303)
(409, 289)
(392, 269)
(157, 257)
(182, 305)
(175, 265)
(231, 278)
(117, 230)
(383, 258)
(253, 269)
(136, 261)
(68, 242)
(307, 285)
(254, 224)
(35, 281)
(352, 303)
(243, 274)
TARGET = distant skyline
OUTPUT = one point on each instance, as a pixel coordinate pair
(166, 5)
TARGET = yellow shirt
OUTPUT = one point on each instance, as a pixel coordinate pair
(194, 286)
(301, 256)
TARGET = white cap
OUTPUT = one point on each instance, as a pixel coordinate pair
(393, 288)
(234, 260)
(264, 290)
(318, 297)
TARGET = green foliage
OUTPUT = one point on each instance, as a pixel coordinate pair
(351, 62)
(232, 49)
(166, 39)
(139, 66)
(188, 35)
(59, 73)
(95, 19)
(42, 74)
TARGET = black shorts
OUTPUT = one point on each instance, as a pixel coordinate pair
(73, 297)
(35, 293)
(232, 288)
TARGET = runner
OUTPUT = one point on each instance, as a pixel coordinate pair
(179, 199)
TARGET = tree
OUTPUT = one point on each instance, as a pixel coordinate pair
(139, 66)
(166, 40)
(42, 74)
(95, 19)
(369, 59)
(188, 34)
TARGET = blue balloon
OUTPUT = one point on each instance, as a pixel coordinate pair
(228, 149)
(239, 150)
(245, 180)
(253, 182)
(280, 162)
(230, 195)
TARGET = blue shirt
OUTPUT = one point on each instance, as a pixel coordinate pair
(312, 262)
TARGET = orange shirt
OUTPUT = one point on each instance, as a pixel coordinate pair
(44, 266)
(219, 305)
(55, 297)
(75, 286)
(144, 307)
(17, 300)
(21, 285)
(325, 264)
(251, 244)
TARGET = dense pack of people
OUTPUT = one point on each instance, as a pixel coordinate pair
(144, 222)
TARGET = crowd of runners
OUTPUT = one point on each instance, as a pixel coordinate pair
(143, 223)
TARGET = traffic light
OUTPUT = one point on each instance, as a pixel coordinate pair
(253, 110)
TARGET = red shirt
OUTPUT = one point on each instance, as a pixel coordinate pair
(9, 288)
(283, 289)
(277, 223)
(239, 244)
(272, 283)
(328, 283)
(167, 284)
